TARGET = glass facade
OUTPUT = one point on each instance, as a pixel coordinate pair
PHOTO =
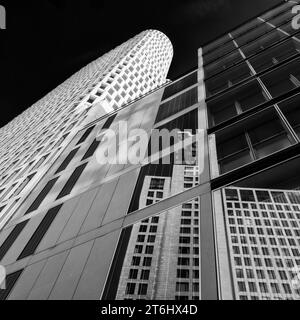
(254, 148)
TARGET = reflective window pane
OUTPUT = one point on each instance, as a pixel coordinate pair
(180, 85)
(282, 18)
(275, 55)
(246, 28)
(227, 79)
(262, 230)
(213, 45)
(250, 140)
(283, 79)
(235, 102)
(263, 42)
(253, 34)
(291, 111)
(278, 11)
(177, 104)
(219, 52)
(159, 251)
(222, 64)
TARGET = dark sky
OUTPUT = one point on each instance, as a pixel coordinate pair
(47, 41)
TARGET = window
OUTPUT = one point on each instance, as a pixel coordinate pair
(42, 195)
(149, 249)
(153, 229)
(157, 184)
(183, 261)
(91, 150)
(184, 250)
(85, 135)
(254, 34)
(219, 52)
(184, 240)
(130, 288)
(142, 289)
(11, 280)
(135, 261)
(155, 219)
(147, 261)
(133, 274)
(183, 273)
(140, 238)
(235, 102)
(182, 286)
(143, 228)
(138, 249)
(151, 238)
(145, 274)
(66, 162)
(227, 79)
(11, 238)
(273, 56)
(263, 42)
(39, 233)
(222, 64)
(72, 181)
(251, 139)
(283, 79)
(177, 104)
(290, 109)
(180, 85)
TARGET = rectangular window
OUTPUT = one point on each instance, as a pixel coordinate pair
(250, 140)
(182, 286)
(235, 102)
(11, 280)
(42, 195)
(227, 79)
(91, 150)
(177, 104)
(145, 274)
(283, 79)
(11, 238)
(40, 232)
(149, 249)
(142, 289)
(275, 55)
(291, 111)
(85, 135)
(222, 64)
(68, 159)
(183, 273)
(72, 181)
(180, 85)
(147, 261)
(133, 274)
(157, 184)
(93, 147)
(219, 52)
(130, 288)
(263, 42)
(254, 34)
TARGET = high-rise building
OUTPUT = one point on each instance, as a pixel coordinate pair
(223, 226)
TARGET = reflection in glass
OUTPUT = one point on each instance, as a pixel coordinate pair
(262, 228)
(263, 42)
(235, 102)
(275, 55)
(283, 79)
(160, 258)
(250, 140)
(227, 79)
